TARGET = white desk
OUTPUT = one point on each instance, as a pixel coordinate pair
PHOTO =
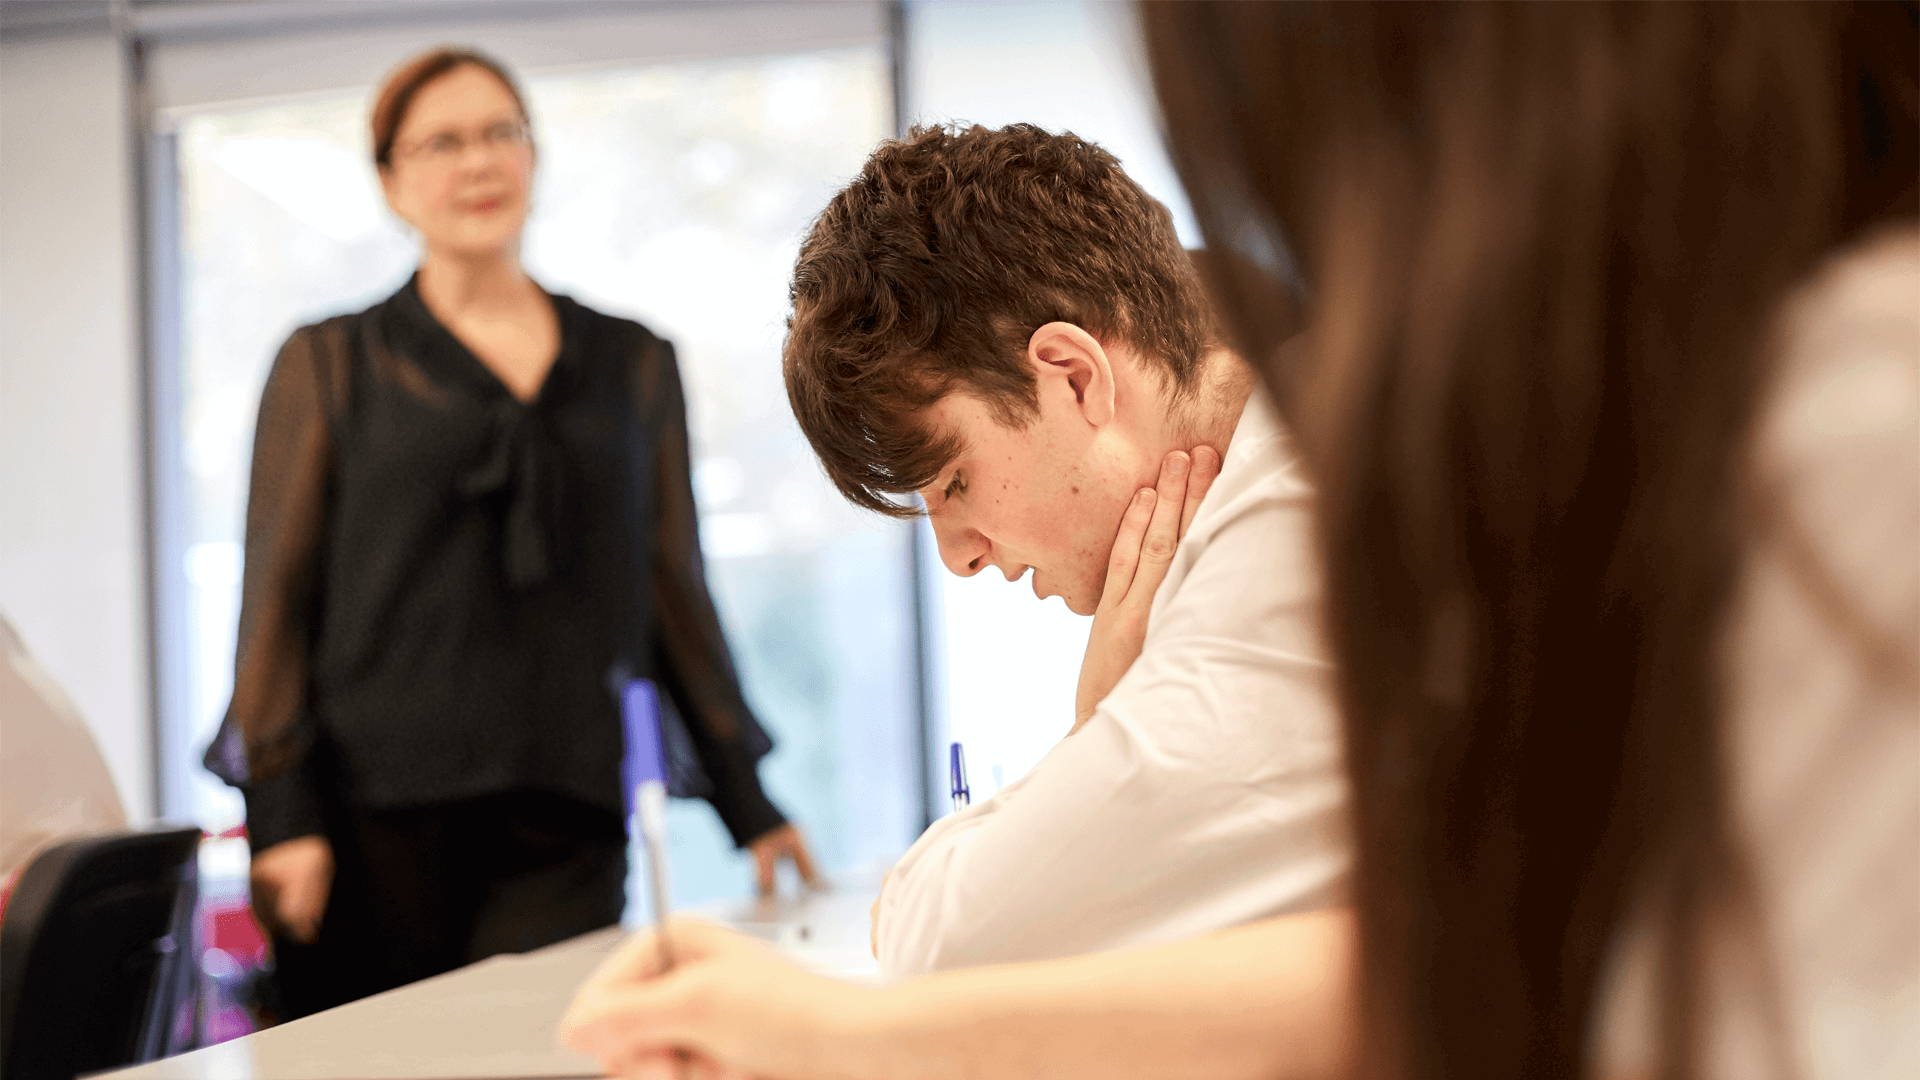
(495, 1019)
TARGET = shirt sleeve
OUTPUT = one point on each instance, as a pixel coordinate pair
(695, 665)
(265, 741)
(1206, 791)
(1816, 972)
(1824, 681)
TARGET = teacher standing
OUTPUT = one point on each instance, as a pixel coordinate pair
(470, 522)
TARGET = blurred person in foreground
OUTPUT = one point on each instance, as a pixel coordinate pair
(54, 785)
(1003, 322)
(1611, 389)
(471, 522)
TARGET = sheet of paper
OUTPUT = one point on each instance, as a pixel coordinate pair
(825, 932)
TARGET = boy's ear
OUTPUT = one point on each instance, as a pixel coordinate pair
(1066, 359)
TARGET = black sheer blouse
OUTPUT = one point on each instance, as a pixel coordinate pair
(446, 587)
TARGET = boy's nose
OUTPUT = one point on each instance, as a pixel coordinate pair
(963, 550)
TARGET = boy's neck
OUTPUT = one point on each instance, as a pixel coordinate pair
(1210, 416)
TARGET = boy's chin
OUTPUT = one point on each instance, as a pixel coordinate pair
(1082, 597)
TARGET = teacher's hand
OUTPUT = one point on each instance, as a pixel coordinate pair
(770, 847)
(290, 883)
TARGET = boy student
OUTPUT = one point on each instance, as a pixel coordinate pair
(1004, 323)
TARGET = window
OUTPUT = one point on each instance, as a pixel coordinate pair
(674, 193)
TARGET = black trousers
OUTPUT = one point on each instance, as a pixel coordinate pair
(419, 892)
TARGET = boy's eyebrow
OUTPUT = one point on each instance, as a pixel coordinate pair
(936, 433)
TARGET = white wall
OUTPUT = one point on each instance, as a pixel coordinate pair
(71, 534)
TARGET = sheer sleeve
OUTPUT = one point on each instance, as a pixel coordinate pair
(264, 742)
(695, 666)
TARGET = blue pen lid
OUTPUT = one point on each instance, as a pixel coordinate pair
(645, 759)
(957, 771)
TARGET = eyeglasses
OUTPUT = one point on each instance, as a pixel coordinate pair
(446, 147)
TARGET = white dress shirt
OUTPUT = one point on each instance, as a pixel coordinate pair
(1823, 709)
(1206, 792)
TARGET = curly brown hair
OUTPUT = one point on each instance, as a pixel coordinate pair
(932, 269)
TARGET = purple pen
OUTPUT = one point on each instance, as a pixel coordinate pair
(957, 770)
(644, 769)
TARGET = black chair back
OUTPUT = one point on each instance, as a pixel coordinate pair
(96, 955)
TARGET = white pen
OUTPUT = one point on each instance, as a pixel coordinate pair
(652, 798)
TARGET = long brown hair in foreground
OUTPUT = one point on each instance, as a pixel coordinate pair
(1543, 244)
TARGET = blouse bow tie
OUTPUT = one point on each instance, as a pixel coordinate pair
(520, 464)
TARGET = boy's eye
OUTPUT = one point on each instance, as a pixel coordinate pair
(954, 487)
